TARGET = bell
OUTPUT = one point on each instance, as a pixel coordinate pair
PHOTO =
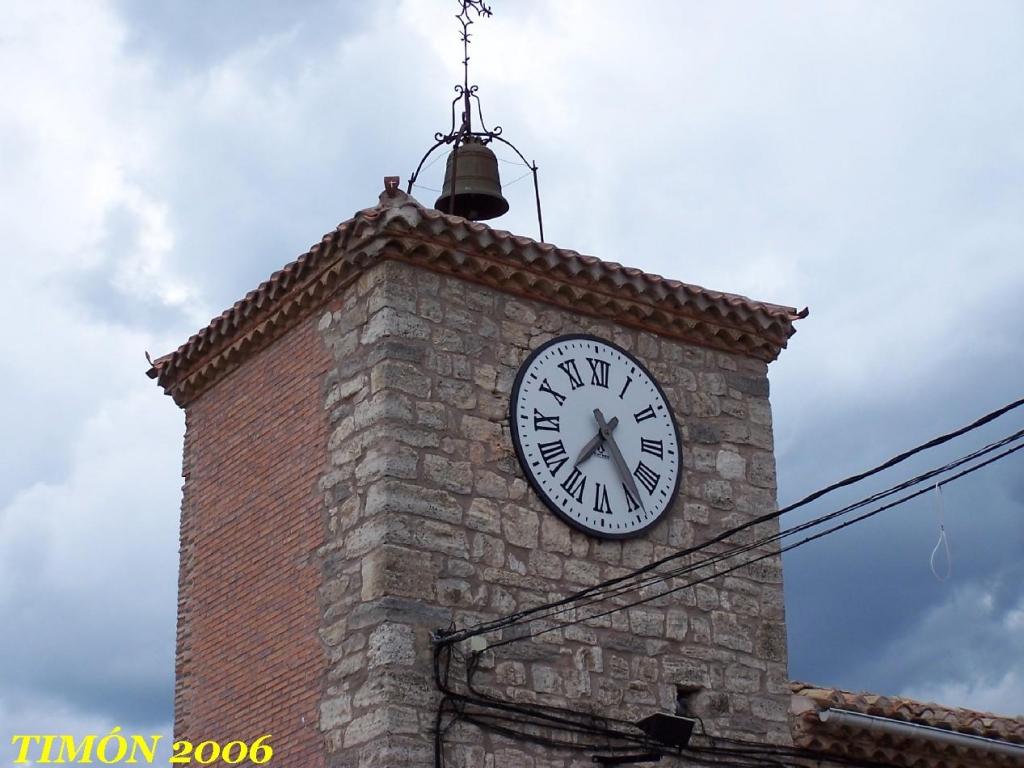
(476, 193)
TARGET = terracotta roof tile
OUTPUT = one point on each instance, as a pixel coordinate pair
(809, 732)
(400, 228)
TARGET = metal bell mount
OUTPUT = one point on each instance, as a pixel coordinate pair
(472, 184)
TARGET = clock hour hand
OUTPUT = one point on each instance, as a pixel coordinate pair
(613, 448)
(589, 448)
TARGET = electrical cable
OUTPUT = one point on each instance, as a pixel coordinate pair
(940, 440)
(713, 754)
(512, 727)
(518, 178)
(663, 575)
(460, 700)
(553, 722)
(629, 583)
(507, 718)
(732, 569)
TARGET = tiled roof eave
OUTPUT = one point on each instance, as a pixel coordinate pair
(403, 230)
(543, 258)
(255, 321)
(687, 322)
(849, 741)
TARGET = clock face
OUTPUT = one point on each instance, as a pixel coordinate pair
(596, 436)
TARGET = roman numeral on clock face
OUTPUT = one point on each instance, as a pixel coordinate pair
(647, 477)
(542, 422)
(645, 414)
(631, 503)
(653, 447)
(599, 372)
(629, 380)
(574, 484)
(545, 387)
(601, 504)
(554, 455)
(570, 370)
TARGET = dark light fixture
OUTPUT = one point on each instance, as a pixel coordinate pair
(671, 730)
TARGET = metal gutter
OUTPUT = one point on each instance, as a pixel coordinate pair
(923, 732)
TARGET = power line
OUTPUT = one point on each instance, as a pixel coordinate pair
(664, 575)
(744, 564)
(574, 731)
(508, 718)
(597, 590)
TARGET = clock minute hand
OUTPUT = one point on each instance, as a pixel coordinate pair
(627, 477)
(589, 448)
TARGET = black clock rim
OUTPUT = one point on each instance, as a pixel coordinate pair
(521, 456)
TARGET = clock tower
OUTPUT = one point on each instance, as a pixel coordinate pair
(454, 497)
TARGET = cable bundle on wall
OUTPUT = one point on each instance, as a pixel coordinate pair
(694, 565)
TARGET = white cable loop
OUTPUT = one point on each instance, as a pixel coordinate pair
(943, 542)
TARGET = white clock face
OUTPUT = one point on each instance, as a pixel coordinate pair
(595, 436)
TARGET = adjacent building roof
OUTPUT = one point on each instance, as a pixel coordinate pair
(921, 748)
(400, 228)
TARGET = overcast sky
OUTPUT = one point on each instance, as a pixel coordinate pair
(160, 158)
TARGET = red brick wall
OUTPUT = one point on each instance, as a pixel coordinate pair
(249, 659)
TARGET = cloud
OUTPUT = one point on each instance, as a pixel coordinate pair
(88, 511)
(859, 601)
(947, 655)
(190, 36)
(84, 584)
(164, 158)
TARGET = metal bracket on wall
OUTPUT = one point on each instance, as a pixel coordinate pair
(646, 757)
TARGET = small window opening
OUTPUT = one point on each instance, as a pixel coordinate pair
(685, 696)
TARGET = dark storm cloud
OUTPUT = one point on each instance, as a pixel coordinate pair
(851, 597)
(949, 654)
(89, 621)
(854, 597)
(103, 662)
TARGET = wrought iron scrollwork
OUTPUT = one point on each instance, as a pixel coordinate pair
(461, 129)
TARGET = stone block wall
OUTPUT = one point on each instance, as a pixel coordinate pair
(429, 523)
